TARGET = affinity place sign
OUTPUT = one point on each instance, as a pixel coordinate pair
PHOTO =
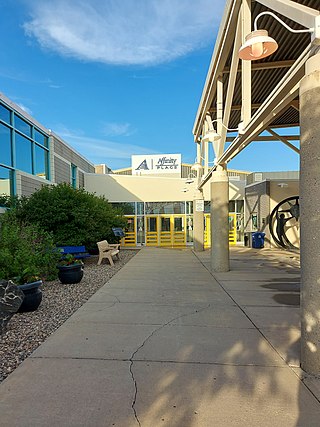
(156, 164)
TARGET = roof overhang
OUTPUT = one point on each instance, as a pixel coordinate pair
(263, 94)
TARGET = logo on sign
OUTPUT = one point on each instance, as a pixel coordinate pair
(143, 166)
(167, 163)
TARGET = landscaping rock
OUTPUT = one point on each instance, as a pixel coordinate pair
(11, 298)
(26, 331)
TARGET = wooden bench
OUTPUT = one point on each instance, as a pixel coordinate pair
(108, 251)
(79, 252)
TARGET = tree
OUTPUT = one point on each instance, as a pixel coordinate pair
(73, 216)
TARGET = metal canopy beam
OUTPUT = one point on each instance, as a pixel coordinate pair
(283, 95)
(265, 65)
(280, 93)
(297, 12)
(240, 142)
(222, 48)
(268, 138)
(231, 84)
(284, 140)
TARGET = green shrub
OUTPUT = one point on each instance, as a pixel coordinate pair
(73, 216)
(26, 249)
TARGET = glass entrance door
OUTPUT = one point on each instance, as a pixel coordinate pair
(130, 238)
(165, 231)
(151, 230)
(179, 231)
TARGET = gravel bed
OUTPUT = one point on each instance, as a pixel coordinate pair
(26, 331)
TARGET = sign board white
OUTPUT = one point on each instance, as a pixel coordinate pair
(199, 205)
(156, 164)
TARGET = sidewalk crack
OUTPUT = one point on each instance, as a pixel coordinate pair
(142, 345)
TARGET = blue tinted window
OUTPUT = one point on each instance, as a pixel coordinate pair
(41, 161)
(22, 126)
(74, 176)
(4, 114)
(23, 154)
(5, 181)
(40, 138)
(5, 145)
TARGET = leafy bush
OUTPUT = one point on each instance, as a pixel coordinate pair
(73, 216)
(26, 249)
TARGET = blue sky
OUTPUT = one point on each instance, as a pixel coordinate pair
(117, 78)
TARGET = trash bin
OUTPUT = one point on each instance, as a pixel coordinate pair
(258, 240)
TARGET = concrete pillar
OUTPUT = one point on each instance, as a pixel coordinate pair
(198, 221)
(310, 216)
(219, 221)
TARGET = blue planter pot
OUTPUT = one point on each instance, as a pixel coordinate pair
(70, 273)
(32, 296)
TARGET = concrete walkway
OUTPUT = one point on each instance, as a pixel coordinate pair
(164, 343)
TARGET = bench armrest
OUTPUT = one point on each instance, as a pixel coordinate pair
(114, 245)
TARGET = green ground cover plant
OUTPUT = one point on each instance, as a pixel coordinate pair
(26, 251)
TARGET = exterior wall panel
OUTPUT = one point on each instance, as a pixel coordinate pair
(67, 153)
(81, 180)
(28, 184)
(62, 171)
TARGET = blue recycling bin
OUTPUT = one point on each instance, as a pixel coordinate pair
(258, 240)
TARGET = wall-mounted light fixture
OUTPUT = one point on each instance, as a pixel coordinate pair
(197, 166)
(259, 44)
(212, 135)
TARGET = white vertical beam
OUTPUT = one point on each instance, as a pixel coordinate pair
(206, 157)
(199, 152)
(246, 65)
(217, 144)
(231, 84)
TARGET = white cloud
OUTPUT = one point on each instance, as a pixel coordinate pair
(117, 129)
(100, 150)
(143, 32)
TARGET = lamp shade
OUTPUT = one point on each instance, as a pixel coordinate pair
(211, 136)
(258, 45)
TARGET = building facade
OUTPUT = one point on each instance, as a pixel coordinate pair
(31, 155)
(157, 196)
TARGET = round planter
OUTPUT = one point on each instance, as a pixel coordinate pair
(70, 273)
(32, 296)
